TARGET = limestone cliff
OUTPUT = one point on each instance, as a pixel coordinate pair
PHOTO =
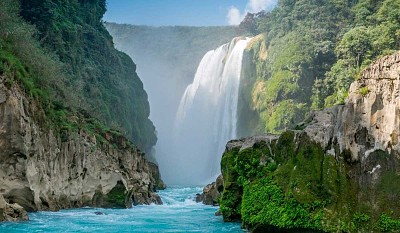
(12, 212)
(44, 170)
(339, 172)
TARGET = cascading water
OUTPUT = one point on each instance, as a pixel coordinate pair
(179, 213)
(207, 116)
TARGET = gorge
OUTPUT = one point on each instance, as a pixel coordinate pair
(176, 59)
(296, 108)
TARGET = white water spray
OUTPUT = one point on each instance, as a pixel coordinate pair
(207, 116)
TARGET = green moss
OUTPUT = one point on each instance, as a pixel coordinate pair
(389, 183)
(388, 224)
(116, 197)
(231, 197)
(363, 91)
(276, 208)
(387, 192)
(359, 220)
(230, 204)
(288, 185)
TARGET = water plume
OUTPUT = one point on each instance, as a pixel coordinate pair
(207, 116)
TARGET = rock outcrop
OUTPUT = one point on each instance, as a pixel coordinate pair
(44, 170)
(212, 192)
(340, 173)
(11, 212)
(370, 119)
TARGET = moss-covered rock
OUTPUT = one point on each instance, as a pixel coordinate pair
(291, 183)
(117, 197)
(340, 173)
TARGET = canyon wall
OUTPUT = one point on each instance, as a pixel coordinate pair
(44, 170)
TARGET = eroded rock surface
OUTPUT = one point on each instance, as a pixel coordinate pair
(212, 192)
(41, 170)
(370, 119)
(12, 212)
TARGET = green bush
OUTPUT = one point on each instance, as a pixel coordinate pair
(276, 208)
(388, 224)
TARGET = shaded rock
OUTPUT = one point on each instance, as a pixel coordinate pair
(218, 213)
(158, 182)
(23, 196)
(212, 192)
(12, 212)
(44, 170)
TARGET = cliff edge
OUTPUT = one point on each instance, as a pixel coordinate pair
(339, 172)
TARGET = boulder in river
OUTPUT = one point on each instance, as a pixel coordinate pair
(212, 192)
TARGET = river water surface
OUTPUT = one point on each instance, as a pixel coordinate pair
(178, 214)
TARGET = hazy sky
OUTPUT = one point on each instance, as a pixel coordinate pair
(183, 12)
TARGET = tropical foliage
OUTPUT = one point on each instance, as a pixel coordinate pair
(315, 50)
(65, 57)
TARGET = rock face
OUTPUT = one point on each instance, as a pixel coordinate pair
(340, 173)
(41, 170)
(212, 192)
(12, 212)
(370, 119)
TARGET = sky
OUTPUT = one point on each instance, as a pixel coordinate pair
(183, 12)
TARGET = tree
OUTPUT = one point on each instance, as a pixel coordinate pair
(354, 45)
(248, 25)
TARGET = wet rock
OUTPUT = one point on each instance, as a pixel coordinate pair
(212, 192)
(12, 212)
(218, 213)
(158, 182)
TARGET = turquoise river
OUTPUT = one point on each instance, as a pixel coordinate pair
(178, 214)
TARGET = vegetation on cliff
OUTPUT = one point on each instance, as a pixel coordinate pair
(290, 183)
(67, 61)
(339, 173)
(314, 50)
(65, 91)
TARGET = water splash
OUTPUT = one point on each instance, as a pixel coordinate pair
(207, 116)
(178, 214)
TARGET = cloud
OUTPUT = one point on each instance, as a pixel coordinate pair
(254, 6)
(234, 15)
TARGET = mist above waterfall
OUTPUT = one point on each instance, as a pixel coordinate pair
(193, 83)
(206, 117)
(167, 59)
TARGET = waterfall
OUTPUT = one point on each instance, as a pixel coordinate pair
(207, 115)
